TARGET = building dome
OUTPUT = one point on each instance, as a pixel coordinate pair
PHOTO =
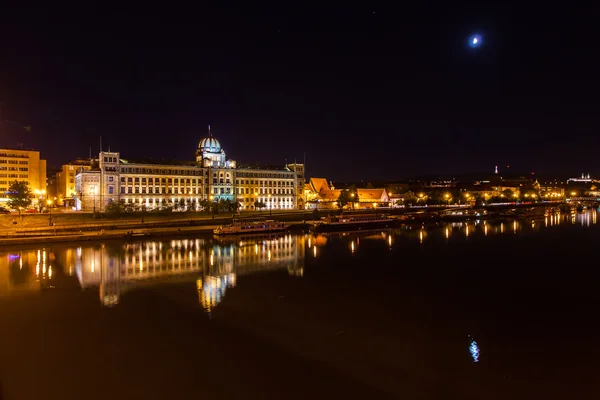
(209, 144)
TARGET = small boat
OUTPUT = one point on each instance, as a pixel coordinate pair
(341, 222)
(245, 227)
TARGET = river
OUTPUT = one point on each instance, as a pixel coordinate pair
(462, 310)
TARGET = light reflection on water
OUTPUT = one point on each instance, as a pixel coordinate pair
(113, 268)
(117, 267)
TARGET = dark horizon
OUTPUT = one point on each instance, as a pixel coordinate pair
(368, 93)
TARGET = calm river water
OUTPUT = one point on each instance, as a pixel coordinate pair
(464, 310)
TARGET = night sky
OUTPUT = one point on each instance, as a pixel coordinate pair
(371, 91)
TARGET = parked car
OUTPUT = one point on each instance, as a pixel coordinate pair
(4, 211)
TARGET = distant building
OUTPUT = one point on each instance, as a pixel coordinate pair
(21, 165)
(583, 179)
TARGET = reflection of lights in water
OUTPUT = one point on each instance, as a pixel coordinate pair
(421, 236)
(390, 240)
(141, 265)
(467, 230)
(546, 221)
(256, 249)
(501, 227)
(110, 300)
(309, 242)
(212, 289)
(212, 260)
(269, 255)
(50, 272)
(352, 247)
(447, 233)
(594, 216)
(191, 258)
(20, 263)
(315, 251)
(515, 226)
(474, 350)
(93, 266)
(485, 229)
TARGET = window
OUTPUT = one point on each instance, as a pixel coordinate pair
(111, 178)
(122, 189)
(111, 189)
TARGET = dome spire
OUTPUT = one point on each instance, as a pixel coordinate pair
(209, 134)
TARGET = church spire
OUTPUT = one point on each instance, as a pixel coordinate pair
(209, 134)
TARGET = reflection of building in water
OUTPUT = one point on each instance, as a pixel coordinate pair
(247, 255)
(116, 267)
(214, 266)
(211, 289)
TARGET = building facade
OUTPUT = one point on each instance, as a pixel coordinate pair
(149, 185)
(21, 165)
(65, 181)
(321, 195)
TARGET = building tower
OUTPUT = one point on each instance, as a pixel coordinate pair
(219, 171)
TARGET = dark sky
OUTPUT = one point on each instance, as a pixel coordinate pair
(367, 91)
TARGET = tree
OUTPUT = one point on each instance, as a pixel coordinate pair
(259, 205)
(19, 195)
(205, 205)
(115, 207)
(509, 194)
(344, 198)
(177, 205)
(410, 198)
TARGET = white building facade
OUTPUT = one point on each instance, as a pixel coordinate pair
(185, 185)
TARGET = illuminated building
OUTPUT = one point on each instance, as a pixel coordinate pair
(21, 165)
(583, 179)
(322, 195)
(185, 184)
(276, 187)
(65, 181)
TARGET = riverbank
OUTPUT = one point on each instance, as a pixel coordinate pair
(69, 227)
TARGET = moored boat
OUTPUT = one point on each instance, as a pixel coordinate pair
(246, 227)
(349, 222)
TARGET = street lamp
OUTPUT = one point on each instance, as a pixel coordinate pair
(270, 205)
(40, 194)
(49, 203)
(212, 206)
